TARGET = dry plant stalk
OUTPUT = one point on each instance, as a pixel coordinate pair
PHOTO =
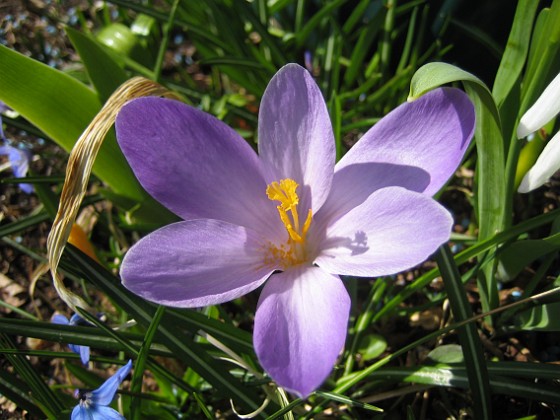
(78, 173)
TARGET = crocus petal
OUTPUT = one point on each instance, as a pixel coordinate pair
(543, 110)
(300, 327)
(545, 166)
(193, 163)
(295, 134)
(393, 230)
(195, 263)
(106, 392)
(418, 146)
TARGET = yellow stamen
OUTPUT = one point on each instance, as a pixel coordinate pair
(294, 251)
(285, 192)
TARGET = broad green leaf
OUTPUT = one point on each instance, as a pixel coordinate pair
(540, 318)
(104, 71)
(513, 59)
(372, 346)
(447, 353)
(62, 108)
(543, 55)
(520, 254)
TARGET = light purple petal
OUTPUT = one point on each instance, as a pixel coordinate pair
(418, 146)
(106, 392)
(59, 319)
(80, 413)
(19, 161)
(194, 164)
(84, 354)
(106, 413)
(295, 134)
(393, 230)
(196, 263)
(76, 319)
(82, 351)
(300, 327)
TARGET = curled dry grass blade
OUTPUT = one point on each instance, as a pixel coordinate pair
(78, 173)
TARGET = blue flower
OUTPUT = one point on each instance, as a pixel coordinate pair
(18, 158)
(83, 351)
(94, 405)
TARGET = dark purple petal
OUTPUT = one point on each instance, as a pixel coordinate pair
(418, 146)
(295, 134)
(300, 327)
(193, 163)
(195, 263)
(393, 230)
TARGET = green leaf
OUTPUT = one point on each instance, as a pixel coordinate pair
(447, 353)
(513, 59)
(543, 55)
(503, 378)
(372, 346)
(325, 11)
(103, 69)
(520, 254)
(468, 334)
(544, 317)
(18, 392)
(62, 107)
(40, 392)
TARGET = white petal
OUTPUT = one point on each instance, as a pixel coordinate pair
(542, 111)
(545, 166)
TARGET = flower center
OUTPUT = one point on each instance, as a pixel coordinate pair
(85, 399)
(293, 252)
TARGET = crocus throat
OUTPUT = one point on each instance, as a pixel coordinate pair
(293, 252)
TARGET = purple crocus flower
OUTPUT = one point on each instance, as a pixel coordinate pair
(289, 211)
(94, 405)
(75, 319)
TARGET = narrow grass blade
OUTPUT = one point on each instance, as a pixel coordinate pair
(18, 392)
(468, 334)
(137, 377)
(42, 394)
(457, 376)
